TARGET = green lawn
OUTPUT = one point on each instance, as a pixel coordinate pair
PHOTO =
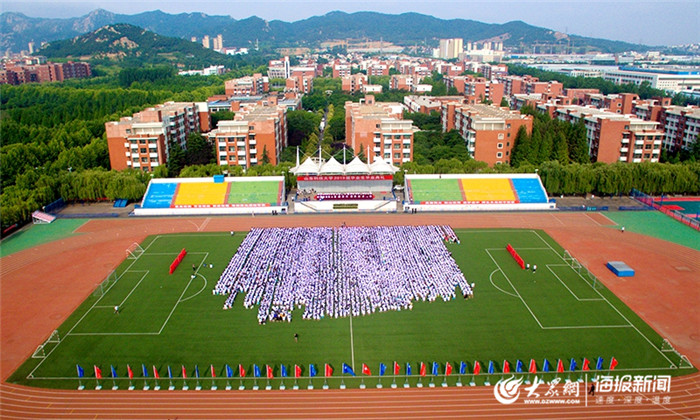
(173, 320)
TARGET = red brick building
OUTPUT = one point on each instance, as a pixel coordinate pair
(143, 140)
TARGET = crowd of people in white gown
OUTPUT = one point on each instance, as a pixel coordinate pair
(340, 272)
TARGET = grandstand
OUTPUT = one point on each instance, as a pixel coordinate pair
(329, 186)
(217, 195)
(462, 192)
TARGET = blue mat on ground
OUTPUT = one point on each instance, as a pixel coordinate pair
(620, 269)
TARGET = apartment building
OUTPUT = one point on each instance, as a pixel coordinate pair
(279, 69)
(476, 89)
(299, 83)
(256, 84)
(451, 48)
(681, 126)
(17, 73)
(379, 130)
(621, 103)
(614, 137)
(530, 85)
(353, 83)
(143, 141)
(341, 69)
(491, 71)
(403, 82)
(489, 131)
(428, 104)
(256, 130)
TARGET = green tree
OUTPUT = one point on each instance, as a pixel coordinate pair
(176, 160)
(199, 150)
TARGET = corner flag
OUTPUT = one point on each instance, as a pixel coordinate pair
(98, 372)
(241, 371)
(477, 367)
(382, 369)
(506, 367)
(586, 364)
(545, 365)
(599, 364)
(422, 369)
(448, 369)
(613, 363)
(129, 372)
(328, 370)
(347, 369)
(435, 368)
(81, 371)
(560, 366)
(519, 366)
(397, 368)
(491, 367)
(533, 366)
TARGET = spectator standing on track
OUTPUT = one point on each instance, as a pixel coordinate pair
(592, 390)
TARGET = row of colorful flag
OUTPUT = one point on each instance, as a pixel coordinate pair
(547, 366)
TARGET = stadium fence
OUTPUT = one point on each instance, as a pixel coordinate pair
(649, 201)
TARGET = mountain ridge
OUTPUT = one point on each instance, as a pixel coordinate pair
(402, 29)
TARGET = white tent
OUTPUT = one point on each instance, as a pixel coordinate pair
(380, 166)
(332, 167)
(357, 167)
(309, 167)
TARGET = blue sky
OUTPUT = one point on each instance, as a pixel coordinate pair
(649, 22)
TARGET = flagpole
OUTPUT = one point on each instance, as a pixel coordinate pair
(80, 385)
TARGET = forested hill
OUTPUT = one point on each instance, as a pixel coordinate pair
(404, 29)
(122, 42)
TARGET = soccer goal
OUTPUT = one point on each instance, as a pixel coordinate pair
(106, 284)
(40, 351)
(134, 251)
(582, 271)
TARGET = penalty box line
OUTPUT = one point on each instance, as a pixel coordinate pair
(611, 305)
(564, 327)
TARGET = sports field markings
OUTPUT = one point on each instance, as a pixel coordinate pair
(200, 290)
(549, 267)
(494, 285)
(564, 327)
(611, 305)
(204, 224)
(31, 374)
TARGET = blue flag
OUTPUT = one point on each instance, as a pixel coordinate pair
(519, 366)
(408, 369)
(145, 371)
(256, 371)
(170, 372)
(196, 371)
(572, 365)
(490, 367)
(284, 371)
(382, 369)
(599, 364)
(81, 371)
(347, 369)
(229, 371)
(114, 371)
(312, 370)
(545, 366)
(462, 368)
(435, 368)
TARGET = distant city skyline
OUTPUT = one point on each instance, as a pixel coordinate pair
(646, 22)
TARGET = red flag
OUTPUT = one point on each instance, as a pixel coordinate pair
(130, 372)
(533, 366)
(397, 368)
(365, 370)
(586, 364)
(98, 372)
(506, 367)
(155, 372)
(448, 369)
(269, 371)
(297, 371)
(477, 368)
(213, 373)
(422, 369)
(560, 366)
(241, 371)
(184, 372)
(329, 370)
(613, 363)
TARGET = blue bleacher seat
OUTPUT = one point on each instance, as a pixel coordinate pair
(159, 195)
(529, 190)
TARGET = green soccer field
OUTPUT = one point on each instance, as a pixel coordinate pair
(174, 320)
